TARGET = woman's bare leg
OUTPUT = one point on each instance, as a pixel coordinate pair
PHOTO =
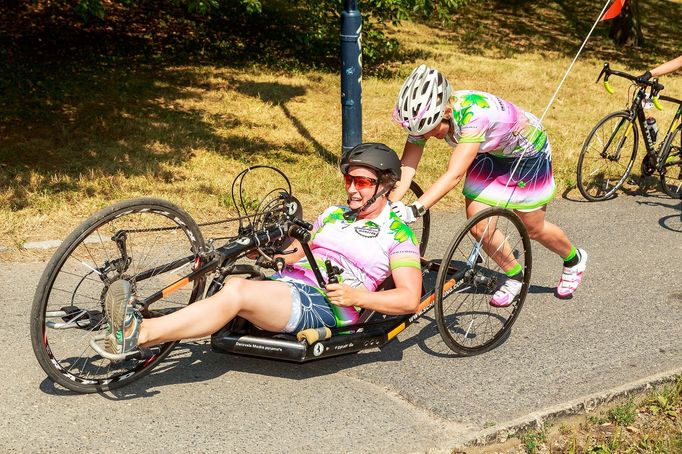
(546, 233)
(493, 241)
(267, 304)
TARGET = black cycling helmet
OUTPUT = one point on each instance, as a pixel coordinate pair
(374, 155)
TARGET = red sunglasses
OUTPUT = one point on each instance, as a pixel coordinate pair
(360, 182)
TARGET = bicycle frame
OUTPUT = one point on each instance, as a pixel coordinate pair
(636, 113)
(676, 121)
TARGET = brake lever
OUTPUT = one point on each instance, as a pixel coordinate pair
(603, 71)
(656, 88)
(332, 272)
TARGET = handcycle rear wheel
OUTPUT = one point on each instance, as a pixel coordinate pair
(671, 174)
(607, 156)
(130, 240)
(469, 276)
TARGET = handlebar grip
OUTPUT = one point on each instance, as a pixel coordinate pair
(304, 224)
(299, 233)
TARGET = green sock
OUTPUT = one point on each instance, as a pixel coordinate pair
(573, 258)
(515, 273)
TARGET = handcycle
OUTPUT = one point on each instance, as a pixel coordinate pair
(610, 149)
(161, 251)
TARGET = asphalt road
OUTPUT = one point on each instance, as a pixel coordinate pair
(622, 327)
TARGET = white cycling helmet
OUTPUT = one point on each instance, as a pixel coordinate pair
(422, 100)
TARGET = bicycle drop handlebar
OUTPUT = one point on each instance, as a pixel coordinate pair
(656, 87)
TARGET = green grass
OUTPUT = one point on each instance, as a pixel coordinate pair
(646, 423)
(79, 133)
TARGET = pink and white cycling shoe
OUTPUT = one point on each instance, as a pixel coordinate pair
(506, 294)
(571, 277)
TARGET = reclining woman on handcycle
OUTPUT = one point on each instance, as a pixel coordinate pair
(365, 239)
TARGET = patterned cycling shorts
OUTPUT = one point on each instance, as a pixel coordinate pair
(309, 308)
(530, 187)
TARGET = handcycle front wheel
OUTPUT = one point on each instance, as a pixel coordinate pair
(470, 274)
(607, 156)
(671, 173)
(149, 242)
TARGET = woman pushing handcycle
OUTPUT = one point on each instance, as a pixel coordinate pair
(505, 154)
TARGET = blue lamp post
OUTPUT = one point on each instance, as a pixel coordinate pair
(351, 75)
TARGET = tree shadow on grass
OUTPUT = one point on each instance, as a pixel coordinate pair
(508, 28)
(61, 125)
(279, 94)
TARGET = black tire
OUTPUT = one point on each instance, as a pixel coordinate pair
(467, 322)
(606, 160)
(73, 285)
(422, 225)
(671, 173)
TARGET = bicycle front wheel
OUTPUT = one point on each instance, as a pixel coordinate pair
(470, 273)
(607, 156)
(149, 242)
(671, 173)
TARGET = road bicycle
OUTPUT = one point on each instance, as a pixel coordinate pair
(609, 152)
(161, 251)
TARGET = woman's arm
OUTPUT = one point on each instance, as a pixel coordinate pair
(412, 154)
(294, 256)
(667, 67)
(404, 299)
(460, 160)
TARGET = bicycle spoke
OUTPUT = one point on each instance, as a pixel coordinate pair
(467, 321)
(149, 238)
(607, 157)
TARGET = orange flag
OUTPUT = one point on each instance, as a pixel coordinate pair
(614, 10)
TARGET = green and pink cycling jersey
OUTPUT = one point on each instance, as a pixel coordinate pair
(506, 134)
(377, 246)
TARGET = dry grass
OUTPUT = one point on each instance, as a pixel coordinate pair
(84, 138)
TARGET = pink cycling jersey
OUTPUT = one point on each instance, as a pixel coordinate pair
(367, 250)
(502, 128)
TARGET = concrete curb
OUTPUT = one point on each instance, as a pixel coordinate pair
(535, 420)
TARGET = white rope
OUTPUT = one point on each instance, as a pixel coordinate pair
(520, 157)
(551, 101)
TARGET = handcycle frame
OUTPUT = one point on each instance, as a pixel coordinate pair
(466, 274)
(656, 156)
(241, 337)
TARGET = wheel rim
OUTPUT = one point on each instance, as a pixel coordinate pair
(607, 158)
(466, 320)
(671, 176)
(74, 310)
(421, 226)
